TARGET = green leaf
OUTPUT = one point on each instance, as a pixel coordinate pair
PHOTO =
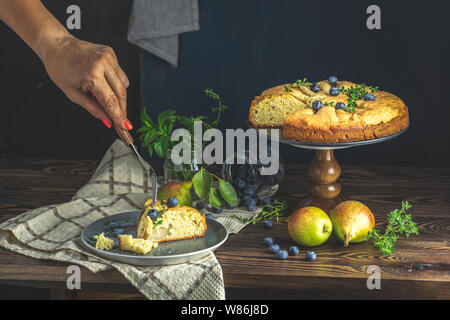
(227, 192)
(159, 148)
(214, 198)
(202, 181)
(146, 119)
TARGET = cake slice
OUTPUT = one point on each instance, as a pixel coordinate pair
(137, 245)
(175, 223)
(104, 243)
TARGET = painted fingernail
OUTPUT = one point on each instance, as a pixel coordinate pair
(106, 123)
(128, 125)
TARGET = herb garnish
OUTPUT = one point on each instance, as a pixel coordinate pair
(331, 103)
(269, 212)
(296, 84)
(399, 223)
(356, 93)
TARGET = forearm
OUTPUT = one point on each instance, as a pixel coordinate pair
(33, 23)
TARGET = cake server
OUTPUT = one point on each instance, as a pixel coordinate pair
(128, 140)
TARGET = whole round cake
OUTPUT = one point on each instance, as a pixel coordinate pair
(329, 111)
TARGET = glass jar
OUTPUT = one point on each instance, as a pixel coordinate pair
(178, 172)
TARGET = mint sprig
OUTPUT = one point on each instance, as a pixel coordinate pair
(399, 223)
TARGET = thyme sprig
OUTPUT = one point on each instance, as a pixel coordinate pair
(297, 84)
(399, 223)
(356, 93)
(271, 212)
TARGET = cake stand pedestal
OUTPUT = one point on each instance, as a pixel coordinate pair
(324, 171)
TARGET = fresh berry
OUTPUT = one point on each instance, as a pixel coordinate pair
(267, 224)
(119, 231)
(315, 87)
(340, 106)
(282, 255)
(267, 200)
(249, 191)
(274, 248)
(209, 216)
(369, 97)
(251, 206)
(268, 241)
(229, 206)
(114, 224)
(293, 250)
(316, 105)
(172, 202)
(310, 256)
(246, 199)
(200, 205)
(240, 184)
(217, 210)
(152, 213)
(334, 91)
(332, 80)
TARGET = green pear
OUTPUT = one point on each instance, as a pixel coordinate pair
(352, 220)
(309, 226)
(180, 190)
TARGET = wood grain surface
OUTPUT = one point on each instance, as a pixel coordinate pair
(418, 269)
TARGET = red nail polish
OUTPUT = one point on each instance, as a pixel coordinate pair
(106, 123)
(128, 125)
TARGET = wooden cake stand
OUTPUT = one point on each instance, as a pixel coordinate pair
(324, 171)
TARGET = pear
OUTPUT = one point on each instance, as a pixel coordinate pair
(309, 226)
(180, 190)
(352, 221)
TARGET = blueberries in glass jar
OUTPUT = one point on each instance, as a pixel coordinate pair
(251, 206)
(369, 97)
(334, 91)
(200, 205)
(316, 105)
(267, 200)
(315, 87)
(340, 106)
(246, 200)
(217, 210)
(240, 184)
(249, 191)
(229, 206)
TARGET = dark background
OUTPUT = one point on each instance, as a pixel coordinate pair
(243, 47)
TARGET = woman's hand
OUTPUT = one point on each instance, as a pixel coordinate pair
(89, 75)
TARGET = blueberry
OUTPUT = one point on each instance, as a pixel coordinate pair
(200, 205)
(217, 210)
(229, 206)
(172, 202)
(315, 87)
(246, 200)
(118, 231)
(369, 97)
(334, 91)
(274, 248)
(340, 106)
(249, 191)
(251, 206)
(316, 105)
(240, 202)
(310, 256)
(267, 200)
(152, 213)
(267, 224)
(239, 193)
(332, 80)
(282, 255)
(293, 250)
(240, 184)
(114, 224)
(209, 215)
(268, 241)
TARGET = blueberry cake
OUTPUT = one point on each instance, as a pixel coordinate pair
(329, 111)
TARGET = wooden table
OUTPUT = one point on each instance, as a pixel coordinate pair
(419, 267)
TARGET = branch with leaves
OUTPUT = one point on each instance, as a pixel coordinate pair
(203, 186)
(399, 223)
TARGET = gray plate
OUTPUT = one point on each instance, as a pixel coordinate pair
(165, 253)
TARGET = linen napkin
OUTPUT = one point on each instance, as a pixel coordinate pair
(119, 184)
(155, 25)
